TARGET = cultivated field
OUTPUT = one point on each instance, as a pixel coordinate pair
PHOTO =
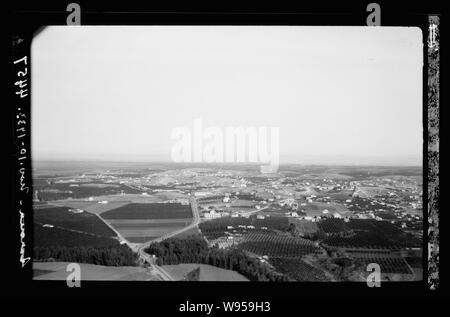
(298, 270)
(62, 218)
(149, 211)
(366, 233)
(58, 191)
(56, 236)
(141, 232)
(304, 227)
(139, 222)
(91, 272)
(277, 245)
(207, 273)
(218, 227)
(91, 206)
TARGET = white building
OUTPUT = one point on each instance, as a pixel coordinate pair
(76, 210)
(212, 214)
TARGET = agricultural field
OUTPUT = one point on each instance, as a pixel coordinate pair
(388, 265)
(71, 203)
(206, 273)
(98, 209)
(141, 232)
(149, 211)
(115, 201)
(63, 244)
(49, 237)
(216, 228)
(368, 172)
(275, 210)
(243, 203)
(58, 191)
(364, 204)
(56, 271)
(210, 199)
(298, 270)
(94, 206)
(332, 225)
(366, 233)
(304, 227)
(274, 223)
(138, 222)
(277, 245)
(62, 218)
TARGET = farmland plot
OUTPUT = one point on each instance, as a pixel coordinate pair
(277, 245)
(139, 222)
(62, 218)
(149, 211)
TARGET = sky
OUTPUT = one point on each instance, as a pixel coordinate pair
(339, 95)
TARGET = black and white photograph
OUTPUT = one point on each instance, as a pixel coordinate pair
(228, 153)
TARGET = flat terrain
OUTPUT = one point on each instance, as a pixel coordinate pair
(91, 272)
(207, 272)
(62, 218)
(137, 218)
(147, 231)
(149, 211)
(139, 222)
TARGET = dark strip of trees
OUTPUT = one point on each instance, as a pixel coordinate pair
(119, 255)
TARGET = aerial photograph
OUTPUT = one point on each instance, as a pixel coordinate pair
(227, 153)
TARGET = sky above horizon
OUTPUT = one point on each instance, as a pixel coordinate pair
(339, 95)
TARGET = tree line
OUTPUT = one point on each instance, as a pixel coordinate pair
(109, 256)
(196, 250)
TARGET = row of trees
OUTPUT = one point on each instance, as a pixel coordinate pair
(119, 255)
(196, 250)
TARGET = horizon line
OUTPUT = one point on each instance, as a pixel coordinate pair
(143, 161)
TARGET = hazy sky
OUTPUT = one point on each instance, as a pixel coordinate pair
(342, 95)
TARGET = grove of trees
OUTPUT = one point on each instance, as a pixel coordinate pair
(196, 250)
(119, 255)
